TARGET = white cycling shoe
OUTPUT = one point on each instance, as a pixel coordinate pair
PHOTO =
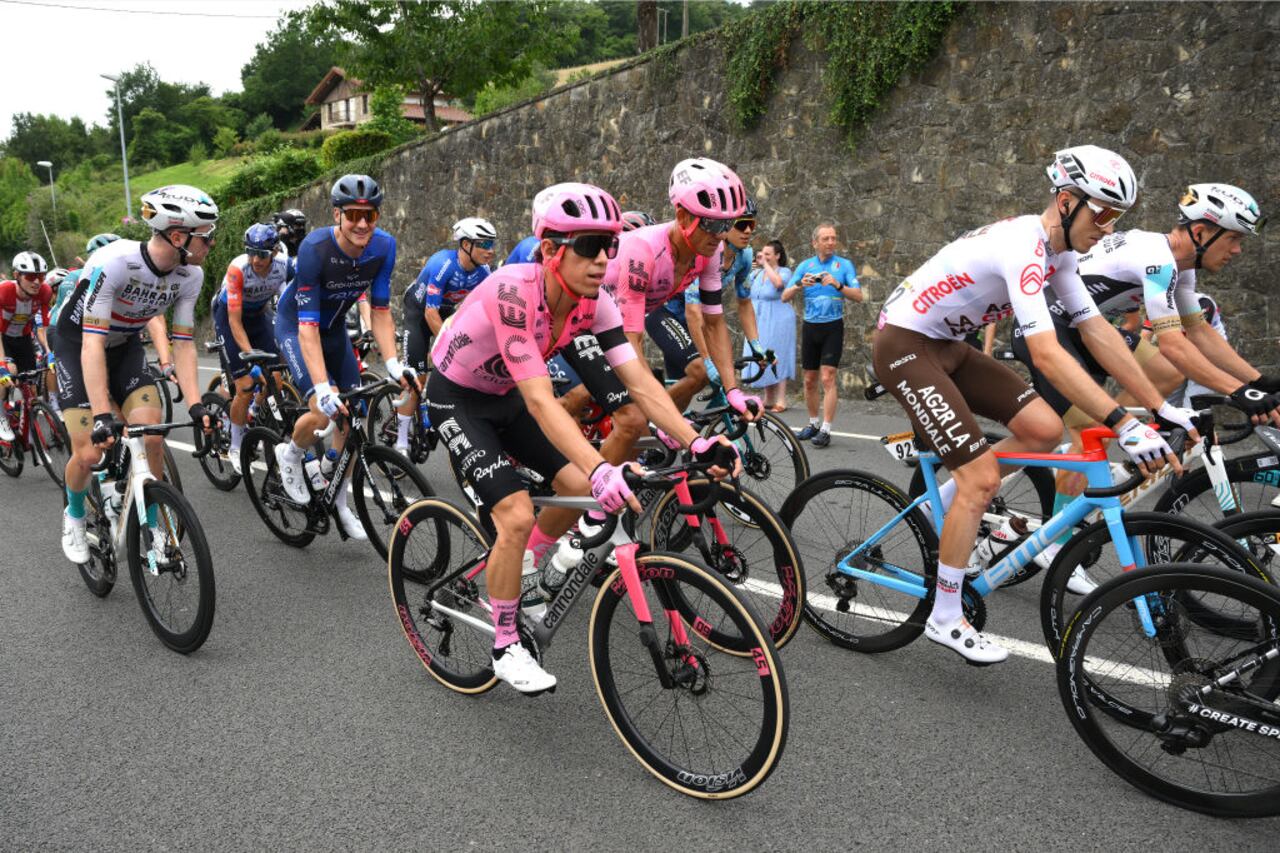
(234, 456)
(567, 558)
(291, 477)
(518, 668)
(963, 639)
(6, 431)
(75, 544)
(350, 524)
(1080, 583)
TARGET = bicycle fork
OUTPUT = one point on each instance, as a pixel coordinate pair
(625, 550)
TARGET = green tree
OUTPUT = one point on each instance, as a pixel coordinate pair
(223, 141)
(16, 183)
(385, 104)
(141, 88)
(261, 124)
(283, 71)
(150, 141)
(48, 137)
(446, 46)
(493, 98)
(203, 116)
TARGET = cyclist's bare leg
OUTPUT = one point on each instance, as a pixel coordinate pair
(629, 423)
(240, 404)
(574, 400)
(829, 396)
(694, 380)
(513, 518)
(84, 455)
(977, 482)
(556, 521)
(304, 430)
(140, 409)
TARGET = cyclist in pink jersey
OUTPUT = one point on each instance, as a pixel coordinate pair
(658, 262)
(490, 397)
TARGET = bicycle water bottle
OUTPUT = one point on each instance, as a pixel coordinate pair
(312, 466)
(424, 415)
(328, 463)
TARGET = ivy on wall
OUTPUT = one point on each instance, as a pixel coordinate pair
(869, 46)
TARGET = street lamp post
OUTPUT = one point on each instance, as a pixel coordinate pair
(53, 194)
(124, 157)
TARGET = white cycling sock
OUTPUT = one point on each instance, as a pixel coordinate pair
(946, 602)
(813, 422)
(826, 426)
(293, 452)
(402, 429)
(947, 494)
(341, 499)
(237, 435)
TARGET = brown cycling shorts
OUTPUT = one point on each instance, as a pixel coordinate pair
(942, 385)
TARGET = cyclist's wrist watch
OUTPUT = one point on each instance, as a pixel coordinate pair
(1116, 416)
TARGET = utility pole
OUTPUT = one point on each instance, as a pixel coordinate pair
(124, 155)
(684, 20)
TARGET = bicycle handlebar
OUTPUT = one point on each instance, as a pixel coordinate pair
(1177, 440)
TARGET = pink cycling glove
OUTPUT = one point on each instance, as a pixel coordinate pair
(608, 487)
(671, 443)
(703, 448)
(739, 401)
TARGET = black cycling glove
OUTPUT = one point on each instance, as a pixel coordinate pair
(1254, 402)
(104, 427)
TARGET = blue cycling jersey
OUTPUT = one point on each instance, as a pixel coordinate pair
(329, 281)
(523, 252)
(822, 302)
(443, 283)
(738, 274)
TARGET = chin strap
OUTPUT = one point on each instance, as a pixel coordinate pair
(553, 267)
(1067, 219)
(1201, 248)
(467, 252)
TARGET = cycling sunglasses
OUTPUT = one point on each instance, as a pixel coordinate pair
(206, 236)
(36, 276)
(260, 253)
(590, 245)
(1104, 216)
(359, 214)
(716, 227)
(746, 225)
(483, 244)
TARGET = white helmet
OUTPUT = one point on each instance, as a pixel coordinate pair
(474, 228)
(1223, 205)
(55, 276)
(1098, 173)
(29, 262)
(178, 206)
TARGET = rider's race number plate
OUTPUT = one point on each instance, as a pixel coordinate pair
(901, 446)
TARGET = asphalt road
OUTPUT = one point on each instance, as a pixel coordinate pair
(307, 722)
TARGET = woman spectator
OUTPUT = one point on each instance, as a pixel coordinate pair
(776, 321)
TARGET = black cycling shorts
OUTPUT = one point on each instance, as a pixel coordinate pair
(671, 334)
(259, 328)
(1073, 343)
(22, 350)
(126, 373)
(482, 432)
(821, 344)
(415, 342)
(582, 362)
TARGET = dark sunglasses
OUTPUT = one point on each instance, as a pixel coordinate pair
(746, 226)
(39, 276)
(361, 215)
(207, 237)
(483, 244)
(590, 245)
(716, 227)
(260, 253)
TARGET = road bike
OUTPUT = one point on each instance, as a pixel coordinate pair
(383, 482)
(1170, 675)
(37, 430)
(689, 679)
(147, 522)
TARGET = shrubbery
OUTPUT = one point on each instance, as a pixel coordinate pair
(354, 144)
(264, 174)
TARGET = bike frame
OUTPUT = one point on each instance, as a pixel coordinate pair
(1092, 462)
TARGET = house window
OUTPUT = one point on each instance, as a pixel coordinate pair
(364, 104)
(332, 111)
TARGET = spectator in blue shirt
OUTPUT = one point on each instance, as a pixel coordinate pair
(823, 282)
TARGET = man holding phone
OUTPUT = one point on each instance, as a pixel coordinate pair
(823, 282)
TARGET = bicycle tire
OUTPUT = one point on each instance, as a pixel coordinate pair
(382, 505)
(51, 441)
(760, 561)
(1164, 538)
(217, 385)
(99, 573)
(166, 396)
(1254, 480)
(216, 464)
(261, 477)
(1029, 492)
(623, 655)
(774, 461)
(1163, 699)
(380, 422)
(1259, 534)
(178, 523)
(11, 455)
(434, 537)
(171, 475)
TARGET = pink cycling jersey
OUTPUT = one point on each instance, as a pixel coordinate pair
(641, 277)
(494, 340)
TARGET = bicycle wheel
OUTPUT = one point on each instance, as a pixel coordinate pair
(217, 385)
(1182, 713)
(49, 439)
(11, 455)
(759, 560)
(1259, 534)
(171, 475)
(380, 424)
(216, 464)
(830, 515)
(166, 396)
(1026, 493)
(1253, 482)
(708, 724)
(383, 484)
(171, 569)
(1159, 538)
(773, 460)
(435, 540)
(99, 574)
(287, 521)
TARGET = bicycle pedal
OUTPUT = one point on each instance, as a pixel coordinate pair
(551, 689)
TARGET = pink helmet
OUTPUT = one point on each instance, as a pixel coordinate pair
(707, 188)
(575, 207)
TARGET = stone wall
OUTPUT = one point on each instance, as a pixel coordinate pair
(1187, 91)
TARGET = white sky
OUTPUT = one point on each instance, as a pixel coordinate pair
(57, 48)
